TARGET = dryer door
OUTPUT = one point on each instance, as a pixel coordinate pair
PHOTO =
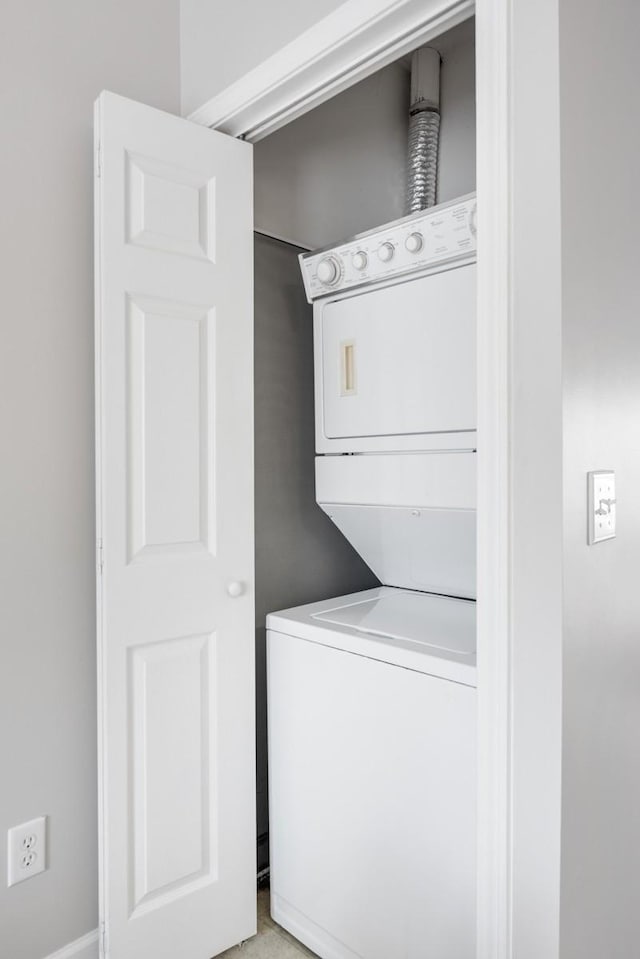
(395, 367)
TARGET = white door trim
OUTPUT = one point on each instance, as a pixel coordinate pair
(493, 152)
(355, 41)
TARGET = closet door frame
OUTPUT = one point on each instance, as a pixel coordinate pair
(519, 521)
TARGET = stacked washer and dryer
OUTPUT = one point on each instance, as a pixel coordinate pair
(372, 706)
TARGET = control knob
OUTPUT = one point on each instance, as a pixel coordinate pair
(360, 260)
(385, 252)
(414, 242)
(329, 270)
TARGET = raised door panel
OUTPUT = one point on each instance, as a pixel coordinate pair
(169, 207)
(171, 424)
(174, 839)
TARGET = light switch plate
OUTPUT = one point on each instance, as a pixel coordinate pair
(601, 506)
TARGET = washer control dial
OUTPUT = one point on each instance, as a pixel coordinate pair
(360, 260)
(414, 242)
(329, 270)
(386, 252)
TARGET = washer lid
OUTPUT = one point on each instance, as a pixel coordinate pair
(435, 621)
(424, 632)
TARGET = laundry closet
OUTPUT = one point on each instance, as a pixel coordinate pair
(352, 365)
(374, 488)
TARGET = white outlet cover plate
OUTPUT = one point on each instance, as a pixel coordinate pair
(26, 850)
(601, 506)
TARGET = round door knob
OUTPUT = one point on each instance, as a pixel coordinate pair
(385, 252)
(328, 271)
(235, 589)
(414, 242)
(360, 260)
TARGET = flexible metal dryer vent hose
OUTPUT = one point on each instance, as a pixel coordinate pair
(424, 130)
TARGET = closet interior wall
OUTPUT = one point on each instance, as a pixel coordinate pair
(340, 169)
(301, 557)
(333, 172)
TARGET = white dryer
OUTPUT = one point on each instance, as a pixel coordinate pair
(371, 697)
(395, 397)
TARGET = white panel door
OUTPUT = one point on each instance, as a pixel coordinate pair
(175, 521)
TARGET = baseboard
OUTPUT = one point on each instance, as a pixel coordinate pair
(307, 932)
(86, 947)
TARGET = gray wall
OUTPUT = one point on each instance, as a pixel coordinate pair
(340, 169)
(300, 555)
(222, 41)
(457, 170)
(600, 133)
(55, 58)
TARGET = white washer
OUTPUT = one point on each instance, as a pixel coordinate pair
(372, 775)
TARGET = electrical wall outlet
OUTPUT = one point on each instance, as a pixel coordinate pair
(26, 850)
(601, 506)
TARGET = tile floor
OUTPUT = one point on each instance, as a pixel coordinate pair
(272, 941)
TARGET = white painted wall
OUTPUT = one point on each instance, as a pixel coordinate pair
(575, 406)
(55, 59)
(220, 42)
(600, 92)
(341, 168)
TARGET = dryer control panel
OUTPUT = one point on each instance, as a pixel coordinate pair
(441, 234)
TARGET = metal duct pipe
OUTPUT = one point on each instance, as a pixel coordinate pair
(424, 130)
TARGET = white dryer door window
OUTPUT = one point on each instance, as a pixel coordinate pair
(399, 360)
